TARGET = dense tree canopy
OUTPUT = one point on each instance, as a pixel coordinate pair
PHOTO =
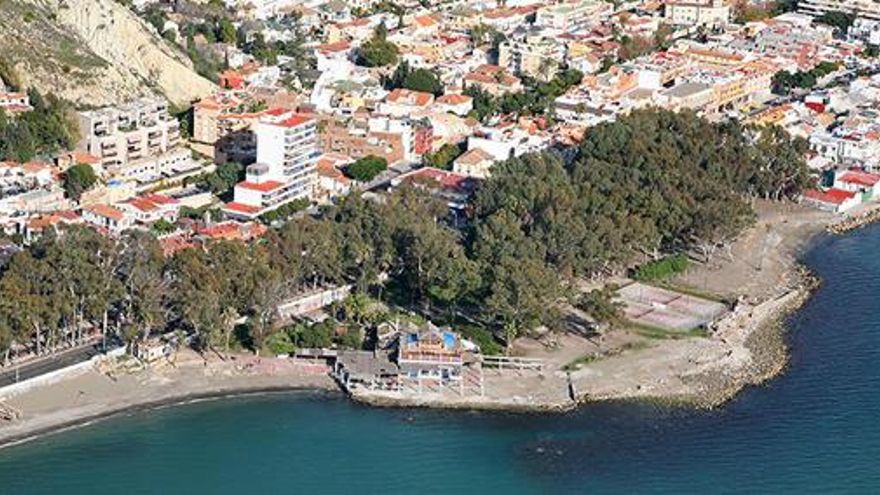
(45, 130)
(649, 184)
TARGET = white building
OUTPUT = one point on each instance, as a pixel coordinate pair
(135, 131)
(287, 152)
(697, 12)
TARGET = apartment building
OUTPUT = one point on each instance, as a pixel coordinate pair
(697, 12)
(570, 15)
(287, 152)
(868, 9)
(139, 130)
(532, 54)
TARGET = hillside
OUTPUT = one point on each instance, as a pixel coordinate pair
(92, 52)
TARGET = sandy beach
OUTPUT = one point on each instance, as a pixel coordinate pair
(94, 393)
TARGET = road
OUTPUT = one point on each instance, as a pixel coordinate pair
(47, 364)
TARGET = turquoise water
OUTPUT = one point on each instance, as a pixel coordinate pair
(814, 430)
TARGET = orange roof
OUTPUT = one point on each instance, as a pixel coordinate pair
(339, 46)
(425, 20)
(295, 121)
(267, 186)
(409, 97)
(454, 99)
(33, 167)
(174, 243)
(160, 199)
(81, 157)
(106, 211)
(473, 157)
(143, 204)
(242, 208)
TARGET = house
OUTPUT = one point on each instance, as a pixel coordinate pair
(453, 188)
(834, 200)
(14, 102)
(107, 217)
(474, 163)
(432, 357)
(150, 208)
(420, 360)
(858, 181)
(232, 231)
(458, 104)
(493, 79)
(405, 102)
(332, 183)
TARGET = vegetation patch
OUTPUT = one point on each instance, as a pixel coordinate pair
(661, 269)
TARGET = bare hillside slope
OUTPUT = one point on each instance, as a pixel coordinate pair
(92, 52)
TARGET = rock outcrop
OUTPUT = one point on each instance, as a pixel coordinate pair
(93, 52)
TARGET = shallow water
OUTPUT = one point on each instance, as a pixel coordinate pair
(813, 430)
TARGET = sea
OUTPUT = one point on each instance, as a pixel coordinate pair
(815, 429)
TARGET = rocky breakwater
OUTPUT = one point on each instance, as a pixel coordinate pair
(761, 330)
(854, 222)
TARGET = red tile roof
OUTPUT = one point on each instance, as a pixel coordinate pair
(267, 186)
(106, 211)
(295, 121)
(409, 97)
(242, 208)
(860, 178)
(833, 196)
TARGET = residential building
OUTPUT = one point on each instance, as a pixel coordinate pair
(493, 79)
(868, 9)
(532, 54)
(287, 152)
(13, 102)
(697, 12)
(107, 217)
(572, 14)
(474, 163)
(834, 200)
(137, 131)
(858, 181)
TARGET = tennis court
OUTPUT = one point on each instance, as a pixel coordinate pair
(667, 309)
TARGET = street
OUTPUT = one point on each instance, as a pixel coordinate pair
(47, 364)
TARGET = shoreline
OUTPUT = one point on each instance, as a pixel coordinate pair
(94, 395)
(748, 350)
(169, 401)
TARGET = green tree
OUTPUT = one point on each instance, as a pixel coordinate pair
(79, 179)
(523, 295)
(367, 168)
(602, 305)
(378, 51)
(443, 157)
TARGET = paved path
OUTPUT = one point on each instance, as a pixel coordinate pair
(47, 364)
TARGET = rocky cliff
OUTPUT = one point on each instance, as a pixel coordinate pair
(93, 52)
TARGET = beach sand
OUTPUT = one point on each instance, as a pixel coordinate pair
(95, 394)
